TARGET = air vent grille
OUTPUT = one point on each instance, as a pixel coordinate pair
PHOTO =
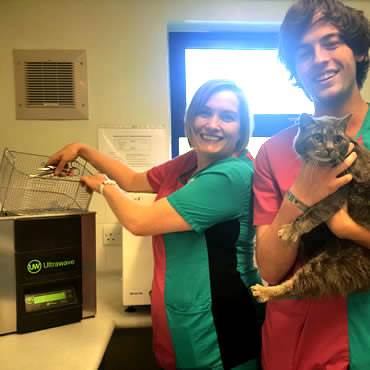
(49, 84)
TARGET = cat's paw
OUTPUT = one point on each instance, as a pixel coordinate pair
(260, 292)
(288, 233)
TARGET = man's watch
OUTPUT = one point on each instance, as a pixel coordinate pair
(107, 181)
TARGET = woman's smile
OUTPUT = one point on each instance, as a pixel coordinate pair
(212, 138)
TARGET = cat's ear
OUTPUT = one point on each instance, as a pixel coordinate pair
(305, 120)
(344, 121)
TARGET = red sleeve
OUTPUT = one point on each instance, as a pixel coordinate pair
(267, 195)
(170, 170)
(157, 174)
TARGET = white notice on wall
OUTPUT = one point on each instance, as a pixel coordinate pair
(140, 149)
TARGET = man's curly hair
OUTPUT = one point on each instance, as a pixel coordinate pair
(351, 23)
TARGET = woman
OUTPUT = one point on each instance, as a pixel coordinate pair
(203, 315)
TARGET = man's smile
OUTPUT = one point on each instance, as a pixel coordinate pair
(326, 76)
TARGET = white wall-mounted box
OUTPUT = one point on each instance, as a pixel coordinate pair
(137, 262)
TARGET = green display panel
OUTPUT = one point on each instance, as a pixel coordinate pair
(51, 297)
(49, 300)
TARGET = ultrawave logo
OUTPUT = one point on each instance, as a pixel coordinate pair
(34, 266)
(54, 264)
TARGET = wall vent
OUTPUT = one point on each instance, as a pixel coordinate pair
(50, 84)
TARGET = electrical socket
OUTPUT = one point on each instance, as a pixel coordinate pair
(112, 234)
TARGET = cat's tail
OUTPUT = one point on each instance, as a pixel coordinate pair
(340, 273)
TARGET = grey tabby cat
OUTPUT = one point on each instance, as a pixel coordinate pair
(331, 266)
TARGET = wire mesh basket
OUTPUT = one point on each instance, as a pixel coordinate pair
(23, 193)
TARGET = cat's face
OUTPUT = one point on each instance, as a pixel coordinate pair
(322, 140)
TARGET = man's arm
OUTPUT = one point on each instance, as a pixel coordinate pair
(344, 227)
(276, 257)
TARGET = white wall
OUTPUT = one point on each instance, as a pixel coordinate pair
(126, 44)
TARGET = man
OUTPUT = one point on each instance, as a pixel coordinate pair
(324, 44)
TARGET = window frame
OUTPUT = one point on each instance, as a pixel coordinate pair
(265, 125)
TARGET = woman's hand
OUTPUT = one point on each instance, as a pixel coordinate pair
(93, 182)
(315, 182)
(63, 156)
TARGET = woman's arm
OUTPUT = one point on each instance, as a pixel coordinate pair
(197, 206)
(158, 218)
(127, 178)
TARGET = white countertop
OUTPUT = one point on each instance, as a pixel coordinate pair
(78, 346)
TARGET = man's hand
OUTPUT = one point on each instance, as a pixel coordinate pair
(316, 182)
